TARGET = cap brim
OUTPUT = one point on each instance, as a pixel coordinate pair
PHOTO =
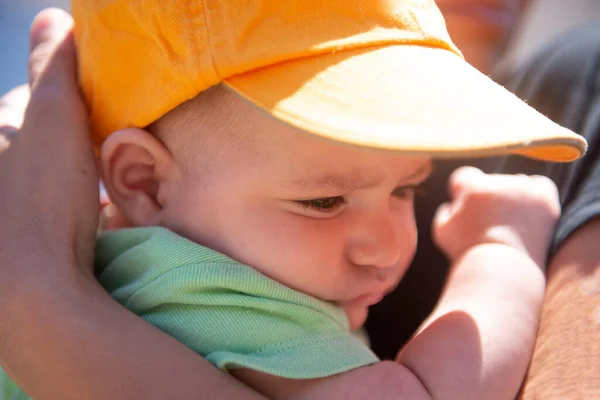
(411, 99)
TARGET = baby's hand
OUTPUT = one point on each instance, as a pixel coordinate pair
(517, 210)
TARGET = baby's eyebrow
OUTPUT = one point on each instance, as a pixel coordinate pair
(423, 172)
(349, 182)
(334, 182)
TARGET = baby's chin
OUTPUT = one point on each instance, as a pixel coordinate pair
(356, 316)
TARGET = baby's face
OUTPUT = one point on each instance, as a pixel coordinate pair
(331, 220)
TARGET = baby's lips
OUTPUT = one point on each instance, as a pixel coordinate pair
(364, 300)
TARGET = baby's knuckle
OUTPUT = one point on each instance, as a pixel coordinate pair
(482, 195)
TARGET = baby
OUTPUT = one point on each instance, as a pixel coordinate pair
(319, 231)
(268, 154)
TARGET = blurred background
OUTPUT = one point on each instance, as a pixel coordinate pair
(15, 18)
(540, 21)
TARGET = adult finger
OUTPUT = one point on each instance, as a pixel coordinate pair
(55, 92)
(48, 32)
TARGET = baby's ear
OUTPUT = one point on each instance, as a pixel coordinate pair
(134, 166)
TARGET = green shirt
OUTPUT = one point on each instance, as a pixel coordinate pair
(226, 311)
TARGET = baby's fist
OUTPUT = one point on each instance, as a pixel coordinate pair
(517, 210)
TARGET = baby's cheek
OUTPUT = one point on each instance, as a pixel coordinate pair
(305, 255)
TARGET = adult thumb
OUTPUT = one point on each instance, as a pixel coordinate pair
(51, 45)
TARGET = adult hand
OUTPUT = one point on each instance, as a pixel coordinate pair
(49, 182)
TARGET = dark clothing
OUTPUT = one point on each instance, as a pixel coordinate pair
(562, 82)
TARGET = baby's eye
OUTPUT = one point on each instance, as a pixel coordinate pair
(323, 205)
(407, 192)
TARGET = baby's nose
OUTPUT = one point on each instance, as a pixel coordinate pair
(382, 240)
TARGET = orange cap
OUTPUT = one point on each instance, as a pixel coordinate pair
(375, 73)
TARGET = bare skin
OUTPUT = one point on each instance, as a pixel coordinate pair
(566, 362)
(84, 370)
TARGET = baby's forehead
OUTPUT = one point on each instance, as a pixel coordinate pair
(213, 114)
(219, 123)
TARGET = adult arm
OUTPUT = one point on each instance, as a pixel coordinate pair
(566, 359)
